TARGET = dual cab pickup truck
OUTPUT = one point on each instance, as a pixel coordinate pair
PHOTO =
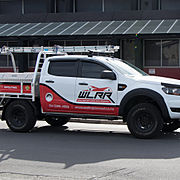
(90, 87)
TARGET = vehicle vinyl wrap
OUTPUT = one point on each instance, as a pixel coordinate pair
(96, 95)
(26, 88)
(53, 102)
(14, 88)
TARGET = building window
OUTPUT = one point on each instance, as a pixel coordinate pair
(128, 51)
(161, 53)
(73, 43)
(38, 6)
(63, 6)
(88, 5)
(149, 4)
(16, 55)
(170, 5)
(152, 53)
(5, 60)
(56, 42)
(170, 53)
(119, 5)
(10, 6)
(106, 42)
(32, 59)
(89, 43)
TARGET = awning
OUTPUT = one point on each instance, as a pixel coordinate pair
(91, 28)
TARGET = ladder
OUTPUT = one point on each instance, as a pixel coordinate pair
(60, 49)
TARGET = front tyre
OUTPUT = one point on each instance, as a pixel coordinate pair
(20, 116)
(144, 121)
(57, 121)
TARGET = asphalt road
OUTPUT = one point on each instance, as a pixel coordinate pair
(87, 151)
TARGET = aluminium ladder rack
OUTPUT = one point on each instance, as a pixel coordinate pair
(55, 50)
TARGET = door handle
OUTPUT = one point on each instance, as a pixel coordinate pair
(83, 84)
(49, 81)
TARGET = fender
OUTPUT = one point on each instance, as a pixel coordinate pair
(6, 103)
(35, 106)
(156, 97)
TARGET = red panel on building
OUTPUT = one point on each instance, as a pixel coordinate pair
(165, 72)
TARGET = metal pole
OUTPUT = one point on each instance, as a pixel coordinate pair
(22, 6)
(74, 6)
(55, 6)
(103, 6)
(13, 62)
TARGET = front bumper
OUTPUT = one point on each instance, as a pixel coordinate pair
(173, 104)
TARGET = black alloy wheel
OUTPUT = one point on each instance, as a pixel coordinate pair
(20, 116)
(144, 120)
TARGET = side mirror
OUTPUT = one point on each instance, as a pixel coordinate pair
(106, 74)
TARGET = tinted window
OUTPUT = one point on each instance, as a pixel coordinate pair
(119, 5)
(10, 7)
(167, 4)
(149, 4)
(152, 53)
(62, 68)
(128, 50)
(170, 52)
(64, 6)
(92, 70)
(3, 61)
(88, 5)
(37, 6)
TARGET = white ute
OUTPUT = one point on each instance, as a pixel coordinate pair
(88, 86)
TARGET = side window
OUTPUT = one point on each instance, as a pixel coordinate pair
(63, 68)
(92, 70)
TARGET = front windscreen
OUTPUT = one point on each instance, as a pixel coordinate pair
(127, 68)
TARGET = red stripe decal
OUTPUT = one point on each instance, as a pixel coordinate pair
(8, 88)
(51, 102)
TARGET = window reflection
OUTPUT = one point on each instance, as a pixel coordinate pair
(119, 5)
(149, 4)
(152, 53)
(173, 4)
(161, 53)
(128, 51)
(170, 53)
(88, 5)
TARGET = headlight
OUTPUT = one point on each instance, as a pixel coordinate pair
(171, 89)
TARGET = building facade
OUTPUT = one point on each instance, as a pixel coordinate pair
(147, 31)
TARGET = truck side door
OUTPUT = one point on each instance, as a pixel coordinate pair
(95, 95)
(57, 85)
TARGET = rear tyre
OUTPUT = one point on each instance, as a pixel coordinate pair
(172, 126)
(144, 121)
(20, 116)
(57, 121)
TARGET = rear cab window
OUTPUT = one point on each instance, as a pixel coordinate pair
(67, 68)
